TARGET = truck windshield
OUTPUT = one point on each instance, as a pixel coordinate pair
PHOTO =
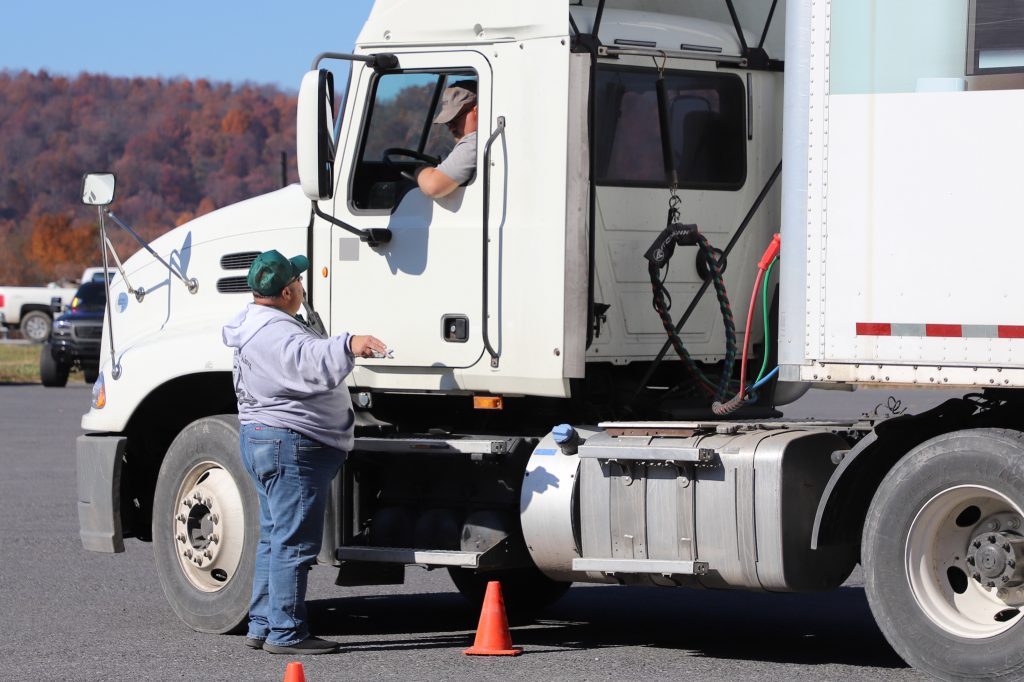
(707, 114)
(90, 297)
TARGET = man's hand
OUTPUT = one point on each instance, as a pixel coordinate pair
(366, 346)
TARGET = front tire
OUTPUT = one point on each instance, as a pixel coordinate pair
(943, 555)
(206, 526)
(52, 374)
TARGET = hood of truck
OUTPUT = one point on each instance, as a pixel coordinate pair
(172, 332)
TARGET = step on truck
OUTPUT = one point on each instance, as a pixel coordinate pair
(592, 335)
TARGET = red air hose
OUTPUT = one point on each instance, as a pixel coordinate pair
(722, 409)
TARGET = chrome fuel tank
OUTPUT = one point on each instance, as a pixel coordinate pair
(693, 504)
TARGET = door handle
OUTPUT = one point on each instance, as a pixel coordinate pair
(499, 130)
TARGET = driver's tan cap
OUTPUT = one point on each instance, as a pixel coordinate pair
(457, 97)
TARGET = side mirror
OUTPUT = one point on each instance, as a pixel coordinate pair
(97, 189)
(315, 145)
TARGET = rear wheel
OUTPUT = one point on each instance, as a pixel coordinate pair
(943, 553)
(52, 373)
(36, 325)
(91, 375)
(205, 526)
(525, 591)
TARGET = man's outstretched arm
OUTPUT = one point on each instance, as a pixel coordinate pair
(434, 183)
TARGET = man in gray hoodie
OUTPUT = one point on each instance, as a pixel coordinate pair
(296, 417)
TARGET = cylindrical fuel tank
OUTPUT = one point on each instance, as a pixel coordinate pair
(700, 505)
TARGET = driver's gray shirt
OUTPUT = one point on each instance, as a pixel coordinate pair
(461, 163)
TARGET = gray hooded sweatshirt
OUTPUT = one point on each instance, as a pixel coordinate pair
(287, 376)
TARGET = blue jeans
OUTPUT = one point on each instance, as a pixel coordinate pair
(292, 474)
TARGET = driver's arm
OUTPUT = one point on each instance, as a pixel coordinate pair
(434, 183)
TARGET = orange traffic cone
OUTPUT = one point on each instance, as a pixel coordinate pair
(492, 636)
(294, 673)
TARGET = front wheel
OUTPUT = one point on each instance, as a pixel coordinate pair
(943, 554)
(206, 526)
(52, 374)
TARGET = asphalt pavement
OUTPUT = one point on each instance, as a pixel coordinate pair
(76, 615)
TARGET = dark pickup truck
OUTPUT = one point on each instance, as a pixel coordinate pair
(75, 340)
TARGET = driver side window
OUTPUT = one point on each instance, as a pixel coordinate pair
(398, 137)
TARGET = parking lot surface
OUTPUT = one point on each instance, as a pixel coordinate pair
(77, 615)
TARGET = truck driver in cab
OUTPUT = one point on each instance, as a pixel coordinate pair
(459, 113)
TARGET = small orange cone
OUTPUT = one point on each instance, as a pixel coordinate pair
(492, 636)
(294, 673)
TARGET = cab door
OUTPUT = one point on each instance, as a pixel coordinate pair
(421, 292)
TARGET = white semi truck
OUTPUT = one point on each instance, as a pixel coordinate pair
(564, 402)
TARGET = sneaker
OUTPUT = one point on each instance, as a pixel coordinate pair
(310, 645)
(254, 643)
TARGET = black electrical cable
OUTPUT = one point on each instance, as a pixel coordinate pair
(700, 292)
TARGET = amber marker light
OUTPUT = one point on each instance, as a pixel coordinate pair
(324, 271)
(99, 393)
(488, 402)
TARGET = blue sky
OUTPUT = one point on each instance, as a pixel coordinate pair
(258, 41)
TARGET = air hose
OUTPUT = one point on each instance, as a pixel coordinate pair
(767, 259)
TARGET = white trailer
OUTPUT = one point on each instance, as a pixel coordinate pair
(533, 425)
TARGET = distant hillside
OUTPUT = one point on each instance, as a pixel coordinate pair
(179, 149)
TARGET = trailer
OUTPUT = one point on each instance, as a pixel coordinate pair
(581, 390)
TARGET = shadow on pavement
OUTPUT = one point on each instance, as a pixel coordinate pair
(804, 629)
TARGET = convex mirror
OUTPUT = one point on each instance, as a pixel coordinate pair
(97, 189)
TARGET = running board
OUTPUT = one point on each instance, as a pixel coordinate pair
(493, 557)
(644, 566)
(476, 448)
(644, 448)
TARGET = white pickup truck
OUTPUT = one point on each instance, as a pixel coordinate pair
(31, 309)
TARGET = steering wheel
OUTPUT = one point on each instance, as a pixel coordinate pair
(411, 153)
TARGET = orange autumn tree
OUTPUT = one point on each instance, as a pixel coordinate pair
(60, 248)
(179, 148)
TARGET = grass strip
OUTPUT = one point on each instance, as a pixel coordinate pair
(19, 364)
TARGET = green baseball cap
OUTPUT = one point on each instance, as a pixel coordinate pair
(271, 272)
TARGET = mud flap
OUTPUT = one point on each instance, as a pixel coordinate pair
(98, 463)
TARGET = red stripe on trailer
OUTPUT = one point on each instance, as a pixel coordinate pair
(1009, 331)
(944, 330)
(874, 329)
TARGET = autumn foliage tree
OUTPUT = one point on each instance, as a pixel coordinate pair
(57, 244)
(179, 148)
